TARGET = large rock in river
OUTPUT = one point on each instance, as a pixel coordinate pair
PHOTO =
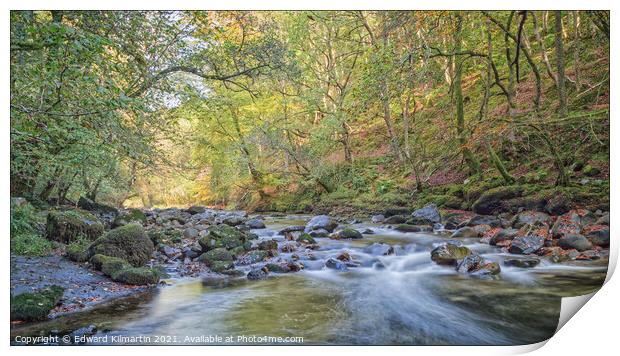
(449, 254)
(321, 222)
(71, 225)
(347, 233)
(336, 264)
(475, 264)
(428, 215)
(128, 242)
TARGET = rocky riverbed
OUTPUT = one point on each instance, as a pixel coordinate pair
(402, 277)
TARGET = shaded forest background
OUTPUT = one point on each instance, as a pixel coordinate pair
(295, 111)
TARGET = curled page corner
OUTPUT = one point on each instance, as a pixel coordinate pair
(570, 306)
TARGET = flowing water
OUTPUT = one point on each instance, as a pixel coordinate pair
(400, 299)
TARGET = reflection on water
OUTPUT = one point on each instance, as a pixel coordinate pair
(410, 301)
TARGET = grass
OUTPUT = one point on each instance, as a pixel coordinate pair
(25, 237)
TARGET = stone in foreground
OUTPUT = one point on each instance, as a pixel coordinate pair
(449, 254)
(128, 242)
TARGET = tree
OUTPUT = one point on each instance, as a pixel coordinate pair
(559, 57)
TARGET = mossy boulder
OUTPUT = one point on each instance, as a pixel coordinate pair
(110, 266)
(128, 242)
(348, 233)
(37, 305)
(137, 276)
(71, 225)
(493, 200)
(78, 251)
(239, 250)
(217, 254)
(113, 265)
(130, 216)
(221, 266)
(224, 236)
(449, 254)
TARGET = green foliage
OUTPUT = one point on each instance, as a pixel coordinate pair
(362, 109)
(31, 244)
(25, 237)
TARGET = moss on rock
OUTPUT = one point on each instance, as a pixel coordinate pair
(348, 233)
(113, 265)
(137, 276)
(35, 306)
(127, 242)
(70, 225)
(77, 251)
(491, 201)
(217, 254)
(221, 266)
(224, 236)
(109, 265)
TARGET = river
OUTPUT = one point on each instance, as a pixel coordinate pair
(399, 299)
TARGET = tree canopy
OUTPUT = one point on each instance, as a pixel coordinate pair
(281, 110)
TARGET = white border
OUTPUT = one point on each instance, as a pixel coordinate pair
(593, 330)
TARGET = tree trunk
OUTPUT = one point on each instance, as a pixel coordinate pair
(577, 49)
(497, 162)
(474, 165)
(543, 50)
(499, 165)
(257, 177)
(509, 60)
(559, 56)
